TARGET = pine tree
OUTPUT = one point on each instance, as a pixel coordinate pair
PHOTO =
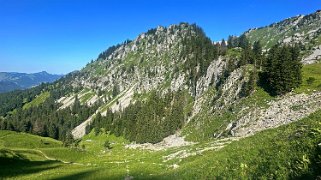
(252, 81)
(297, 65)
(115, 91)
(257, 51)
(244, 42)
(76, 106)
(223, 47)
(232, 42)
(283, 69)
(69, 139)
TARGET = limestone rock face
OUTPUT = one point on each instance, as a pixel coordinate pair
(304, 31)
(151, 62)
(157, 61)
(283, 111)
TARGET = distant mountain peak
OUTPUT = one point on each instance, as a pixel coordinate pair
(14, 80)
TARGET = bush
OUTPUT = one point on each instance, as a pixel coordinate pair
(310, 80)
(107, 145)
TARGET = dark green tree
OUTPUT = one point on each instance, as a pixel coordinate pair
(115, 91)
(244, 42)
(283, 69)
(232, 42)
(258, 56)
(223, 47)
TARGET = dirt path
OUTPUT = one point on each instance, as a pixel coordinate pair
(49, 158)
(53, 159)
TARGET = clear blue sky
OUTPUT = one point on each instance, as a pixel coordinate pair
(60, 36)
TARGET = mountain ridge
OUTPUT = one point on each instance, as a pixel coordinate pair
(171, 101)
(10, 81)
(303, 30)
(166, 60)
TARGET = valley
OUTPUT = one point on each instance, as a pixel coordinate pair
(44, 158)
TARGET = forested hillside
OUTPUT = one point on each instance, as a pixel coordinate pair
(147, 89)
(173, 104)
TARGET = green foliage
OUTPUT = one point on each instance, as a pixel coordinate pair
(258, 55)
(215, 123)
(107, 145)
(69, 140)
(249, 86)
(278, 32)
(87, 96)
(288, 152)
(232, 42)
(243, 41)
(153, 117)
(46, 120)
(234, 53)
(15, 140)
(115, 91)
(198, 52)
(16, 99)
(38, 100)
(311, 78)
(147, 121)
(283, 69)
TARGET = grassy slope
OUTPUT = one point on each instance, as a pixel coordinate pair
(38, 100)
(286, 152)
(213, 123)
(9, 139)
(310, 71)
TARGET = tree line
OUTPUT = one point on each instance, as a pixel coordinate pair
(278, 70)
(46, 120)
(146, 121)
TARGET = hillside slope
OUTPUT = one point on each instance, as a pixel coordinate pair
(171, 104)
(302, 29)
(290, 151)
(168, 81)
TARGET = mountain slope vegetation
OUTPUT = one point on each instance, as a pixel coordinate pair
(172, 99)
(290, 151)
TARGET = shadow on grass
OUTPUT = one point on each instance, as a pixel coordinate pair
(78, 176)
(14, 165)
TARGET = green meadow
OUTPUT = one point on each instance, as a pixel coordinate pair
(290, 151)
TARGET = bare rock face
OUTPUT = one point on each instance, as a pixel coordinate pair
(150, 62)
(302, 29)
(169, 142)
(213, 74)
(313, 57)
(154, 62)
(80, 131)
(231, 89)
(283, 111)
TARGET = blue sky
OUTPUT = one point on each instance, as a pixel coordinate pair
(60, 36)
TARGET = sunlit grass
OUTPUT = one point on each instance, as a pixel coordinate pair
(38, 100)
(311, 78)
